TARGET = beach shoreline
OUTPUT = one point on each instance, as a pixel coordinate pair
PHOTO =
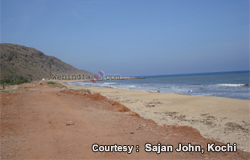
(223, 119)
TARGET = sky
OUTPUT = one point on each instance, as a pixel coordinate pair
(133, 37)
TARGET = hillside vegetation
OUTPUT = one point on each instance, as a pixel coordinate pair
(19, 62)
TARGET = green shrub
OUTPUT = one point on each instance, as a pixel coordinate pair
(50, 82)
(15, 69)
(9, 58)
(20, 80)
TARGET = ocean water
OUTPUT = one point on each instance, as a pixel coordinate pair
(220, 84)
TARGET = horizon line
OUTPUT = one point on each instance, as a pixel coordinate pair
(191, 73)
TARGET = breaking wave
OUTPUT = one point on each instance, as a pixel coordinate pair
(234, 85)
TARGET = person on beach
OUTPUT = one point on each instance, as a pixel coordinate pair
(158, 90)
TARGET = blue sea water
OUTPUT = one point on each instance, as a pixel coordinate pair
(220, 84)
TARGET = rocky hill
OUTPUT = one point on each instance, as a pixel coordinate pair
(17, 60)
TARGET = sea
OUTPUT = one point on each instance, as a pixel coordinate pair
(221, 84)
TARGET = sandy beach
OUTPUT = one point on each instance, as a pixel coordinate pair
(54, 122)
(223, 119)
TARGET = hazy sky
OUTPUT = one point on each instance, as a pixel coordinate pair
(133, 37)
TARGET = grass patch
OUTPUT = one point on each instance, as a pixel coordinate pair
(50, 82)
(54, 84)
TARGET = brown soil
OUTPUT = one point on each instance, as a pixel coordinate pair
(33, 125)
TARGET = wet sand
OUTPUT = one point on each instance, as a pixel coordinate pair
(223, 119)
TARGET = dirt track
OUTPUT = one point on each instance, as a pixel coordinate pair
(33, 125)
